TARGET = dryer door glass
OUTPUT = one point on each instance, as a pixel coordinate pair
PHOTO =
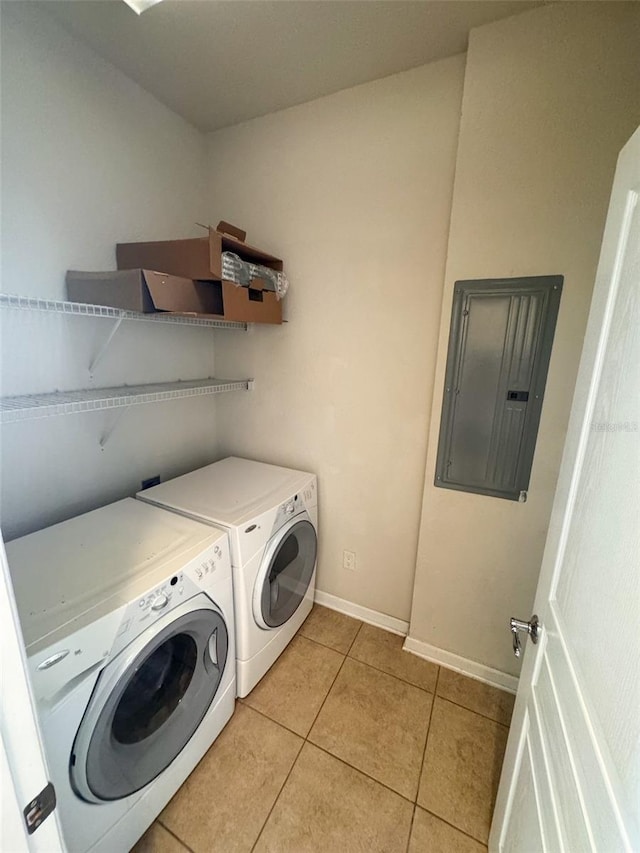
(289, 574)
(157, 702)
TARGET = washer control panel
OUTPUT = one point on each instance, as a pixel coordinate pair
(158, 600)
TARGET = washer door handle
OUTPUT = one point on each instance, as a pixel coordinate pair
(213, 647)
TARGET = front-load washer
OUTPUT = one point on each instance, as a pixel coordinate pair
(271, 514)
(127, 616)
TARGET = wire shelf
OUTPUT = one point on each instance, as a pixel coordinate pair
(34, 406)
(34, 303)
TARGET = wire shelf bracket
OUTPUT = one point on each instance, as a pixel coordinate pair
(80, 309)
(111, 428)
(105, 346)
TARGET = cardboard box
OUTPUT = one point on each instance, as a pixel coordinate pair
(250, 304)
(200, 258)
(146, 291)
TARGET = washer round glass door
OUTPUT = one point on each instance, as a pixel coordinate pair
(284, 579)
(147, 704)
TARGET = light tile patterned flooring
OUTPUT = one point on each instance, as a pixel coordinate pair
(347, 744)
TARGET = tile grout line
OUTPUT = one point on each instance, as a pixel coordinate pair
(346, 764)
(304, 740)
(322, 645)
(398, 678)
(361, 772)
(273, 805)
(326, 645)
(506, 726)
(276, 722)
(426, 740)
(424, 755)
(453, 826)
(404, 680)
(424, 752)
(413, 817)
(433, 704)
(306, 737)
(391, 675)
(355, 637)
(331, 755)
(172, 833)
(417, 805)
(432, 692)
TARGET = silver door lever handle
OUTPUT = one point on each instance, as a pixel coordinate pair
(531, 628)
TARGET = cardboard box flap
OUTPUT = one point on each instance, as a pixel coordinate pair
(196, 258)
(219, 243)
(182, 258)
(123, 289)
(260, 284)
(145, 291)
(250, 253)
(169, 292)
(232, 230)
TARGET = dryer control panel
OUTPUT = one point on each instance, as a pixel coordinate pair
(287, 510)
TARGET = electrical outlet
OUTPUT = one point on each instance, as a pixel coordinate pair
(349, 560)
(151, 481)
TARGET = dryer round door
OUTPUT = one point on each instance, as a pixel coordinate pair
(148, 702)
(285, 573)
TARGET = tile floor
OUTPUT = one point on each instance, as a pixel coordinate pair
(347, 744)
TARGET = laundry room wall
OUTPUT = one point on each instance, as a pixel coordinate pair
(550, 98)
(354, 192)
(89, 158)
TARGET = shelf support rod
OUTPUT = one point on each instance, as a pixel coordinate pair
(106, 435)
(105, 346)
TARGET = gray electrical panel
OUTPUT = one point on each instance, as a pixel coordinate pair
(499, 349)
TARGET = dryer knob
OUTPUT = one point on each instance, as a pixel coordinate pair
(160, 602)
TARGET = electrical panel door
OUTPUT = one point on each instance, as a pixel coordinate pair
(499, 350)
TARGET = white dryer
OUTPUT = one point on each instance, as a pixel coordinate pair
(271, 514)
(127, 616)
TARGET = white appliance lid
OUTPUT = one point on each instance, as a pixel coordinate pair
(230, 492)
(63, 571)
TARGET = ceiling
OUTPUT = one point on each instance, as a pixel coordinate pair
(220, 62)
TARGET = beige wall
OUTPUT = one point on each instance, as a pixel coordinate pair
(550, 97)
(354, 192)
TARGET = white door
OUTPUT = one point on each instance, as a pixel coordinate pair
(22, 763)
(571, 775)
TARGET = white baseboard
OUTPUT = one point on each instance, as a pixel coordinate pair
(472, 668)
(372, 617)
